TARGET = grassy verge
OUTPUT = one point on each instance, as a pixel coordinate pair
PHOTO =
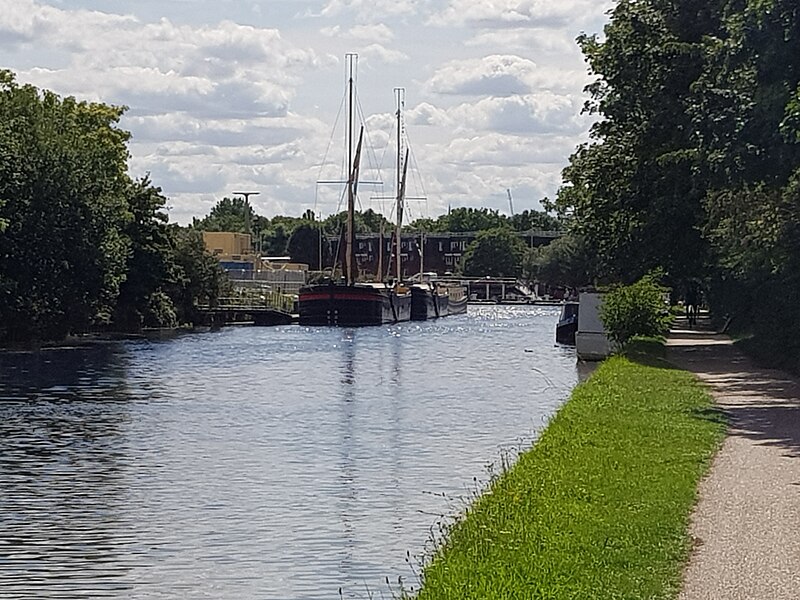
(599, 507)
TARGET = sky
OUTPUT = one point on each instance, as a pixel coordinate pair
(246, 95)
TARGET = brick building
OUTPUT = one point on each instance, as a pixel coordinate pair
(442, 251)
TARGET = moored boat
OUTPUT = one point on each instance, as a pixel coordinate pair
(567, 325)
(457, 297)
(431, 299)
(353, 305)
(428, 302)
(348, 302)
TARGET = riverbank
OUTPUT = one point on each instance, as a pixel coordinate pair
(99, 338)
(599, 507)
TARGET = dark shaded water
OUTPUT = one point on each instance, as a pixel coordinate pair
(260, 462)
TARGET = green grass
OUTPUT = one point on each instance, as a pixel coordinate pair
(599, 507)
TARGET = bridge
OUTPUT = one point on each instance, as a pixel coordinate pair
(267, 309)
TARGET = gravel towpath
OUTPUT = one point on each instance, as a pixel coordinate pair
(746, 525)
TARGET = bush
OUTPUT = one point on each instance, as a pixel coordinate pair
(635, 310)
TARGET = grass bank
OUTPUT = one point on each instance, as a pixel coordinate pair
(599, 507)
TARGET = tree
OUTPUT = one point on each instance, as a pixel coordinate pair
(142, 300)
(535, 220)
(229, 214)
(199, 279)
(565, 262)
(494, 252)
(747, 123)
(63, 190)
(472, 219)
(634, 310)
(635, 191)
(694, 161)
(423, 224)
(365, 222)
(275, 239)
(374, 222)
(304, 245)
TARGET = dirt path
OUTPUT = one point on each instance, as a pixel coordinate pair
(746, 525)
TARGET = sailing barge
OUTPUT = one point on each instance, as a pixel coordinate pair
(348, 302)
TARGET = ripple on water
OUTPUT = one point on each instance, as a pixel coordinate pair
(279, 462)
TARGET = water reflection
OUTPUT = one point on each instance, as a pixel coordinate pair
(348, 366)
(259, 463)
(62, 473)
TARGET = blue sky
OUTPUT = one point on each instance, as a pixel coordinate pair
(229, 95)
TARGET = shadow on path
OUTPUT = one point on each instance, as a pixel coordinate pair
(746, 546)
(760, 404)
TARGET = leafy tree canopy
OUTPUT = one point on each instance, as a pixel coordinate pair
(694, 160)
(480, 219)
(231, 214)
(495, 252)
(63, 189)
(565, 261)
(82, 246)
(305, 243)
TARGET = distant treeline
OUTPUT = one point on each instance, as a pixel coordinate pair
(299, 238)
(694, 163)
(274, 237)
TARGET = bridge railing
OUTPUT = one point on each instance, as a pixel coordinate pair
(264, 299)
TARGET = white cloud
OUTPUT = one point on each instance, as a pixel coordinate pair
(493, 75)
(378, 53)
(370, 11)
(527, 115)
(501, 75)
(378, 33)
(212, 70)
(517, 13)
(24, 21)
(532, 41)
(428, 114)
(217, 105)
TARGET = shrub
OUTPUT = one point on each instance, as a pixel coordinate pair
(635, 310)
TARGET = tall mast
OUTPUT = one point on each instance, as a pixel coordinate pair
(400, 98)
(400, 199)
(421, 253)
(350, 266)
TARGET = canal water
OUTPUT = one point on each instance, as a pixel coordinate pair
(275, 463)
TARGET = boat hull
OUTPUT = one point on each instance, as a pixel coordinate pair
(457, 307)
(567, 326)
(566, 330)
(457, 297)
(428, 303)
(439, 301)
(352, 305)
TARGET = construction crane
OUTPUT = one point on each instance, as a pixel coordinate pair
(510, 202)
